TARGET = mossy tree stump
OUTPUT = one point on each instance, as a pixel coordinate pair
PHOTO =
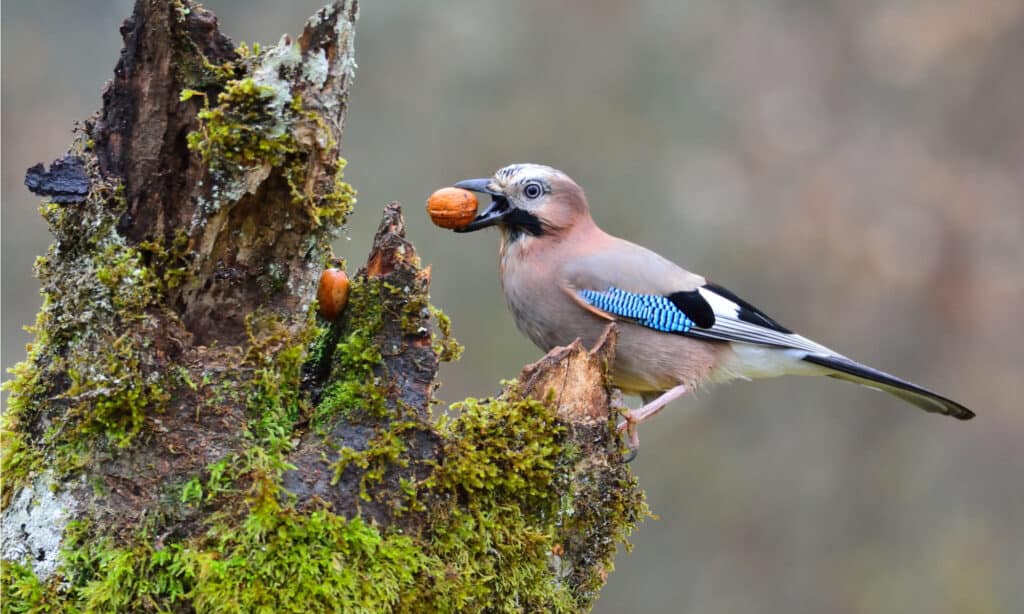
(187, 435)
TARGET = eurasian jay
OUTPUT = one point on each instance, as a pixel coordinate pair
(565, 278)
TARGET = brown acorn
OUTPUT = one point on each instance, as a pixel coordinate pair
(452, 207)
(332, 293)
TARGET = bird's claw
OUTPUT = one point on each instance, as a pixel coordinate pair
(629, 426)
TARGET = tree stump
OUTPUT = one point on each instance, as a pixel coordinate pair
(186, 434)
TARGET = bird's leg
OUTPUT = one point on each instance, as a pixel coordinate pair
(635, 416)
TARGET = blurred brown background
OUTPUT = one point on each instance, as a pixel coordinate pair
(855, 169)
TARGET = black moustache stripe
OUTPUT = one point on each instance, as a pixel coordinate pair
(518, 221)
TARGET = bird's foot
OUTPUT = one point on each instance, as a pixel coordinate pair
(632, 418)
(628, 425)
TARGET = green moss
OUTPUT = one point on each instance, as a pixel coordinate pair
(501, 481)
(22, 590)
(171, 261)
(243, 50)
(495, 511)
(497, 504)
(603, 507)
(18, 457)
(220, 476)
(113, 393)
(91, 356)
(274, 560)
(100, 576)
(16, 460)
(279, 560)
(334, 207)
(192, 66)
(384, 450)
(130, 282)
(244, 127)
(250, 127)
(354, 387)
(272, 389)
(198, 72)
(447, 348)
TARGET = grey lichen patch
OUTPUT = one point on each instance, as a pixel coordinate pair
(276, 64)
(34, 523)
(316, 67)
(318, 17)
(345, 33)
(339, 20)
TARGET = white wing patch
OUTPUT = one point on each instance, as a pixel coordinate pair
(719, 304)
(729, 327)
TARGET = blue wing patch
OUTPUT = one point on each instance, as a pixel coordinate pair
(650, 310)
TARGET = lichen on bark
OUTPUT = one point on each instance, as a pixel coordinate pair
(195, 438)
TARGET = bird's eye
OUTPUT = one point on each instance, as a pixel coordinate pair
(533, 189)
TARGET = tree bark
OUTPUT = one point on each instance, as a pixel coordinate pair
(187, 434)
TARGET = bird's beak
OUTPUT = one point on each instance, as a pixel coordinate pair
(493, 214)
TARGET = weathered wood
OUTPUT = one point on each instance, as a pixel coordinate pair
(173, 259)
(406, 373)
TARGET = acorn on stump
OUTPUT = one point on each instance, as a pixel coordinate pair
(332, 293)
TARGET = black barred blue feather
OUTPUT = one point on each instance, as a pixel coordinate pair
(650, 310)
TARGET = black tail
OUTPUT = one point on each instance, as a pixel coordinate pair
(846, 369)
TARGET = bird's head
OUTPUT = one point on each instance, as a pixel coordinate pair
(528, 200)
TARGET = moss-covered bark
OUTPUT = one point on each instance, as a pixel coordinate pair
(187, 435)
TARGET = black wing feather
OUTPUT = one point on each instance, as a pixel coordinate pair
(747, 312)
(694, 306)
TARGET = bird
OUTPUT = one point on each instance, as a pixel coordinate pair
(564, 278)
